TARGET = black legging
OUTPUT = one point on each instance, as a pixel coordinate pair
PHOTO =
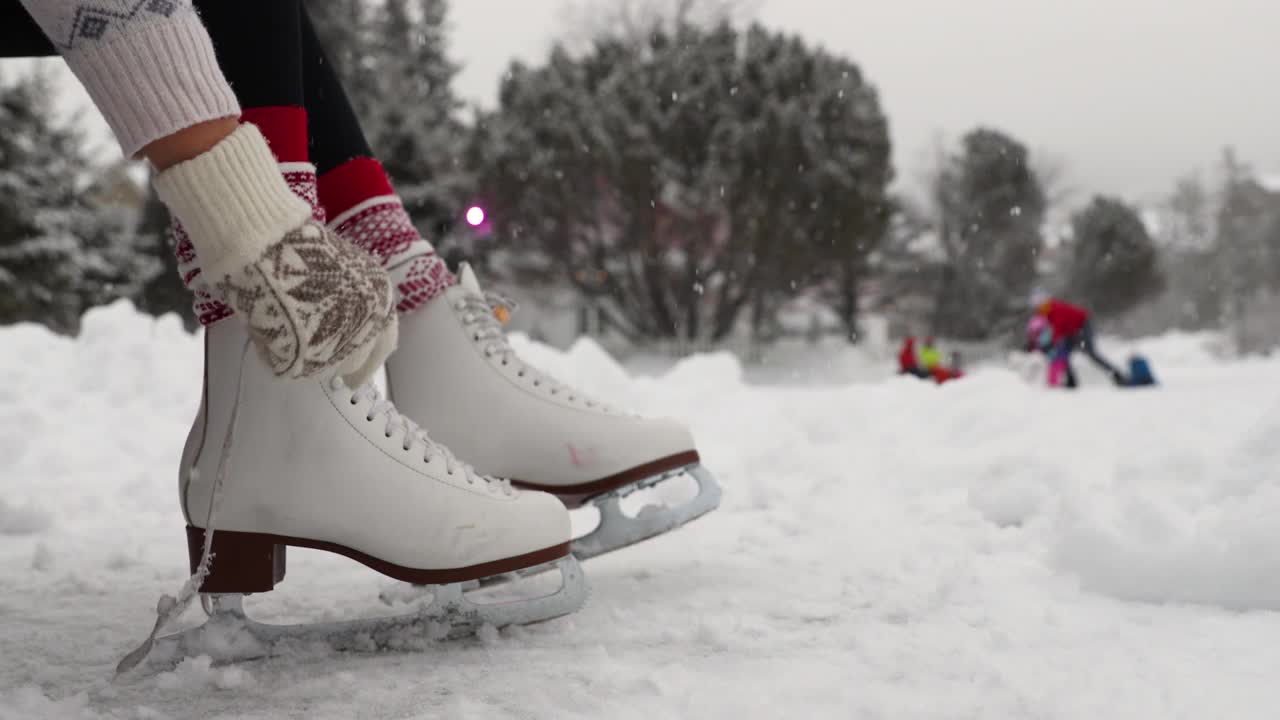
(270, 55)
(1084, 340)
(20, 36)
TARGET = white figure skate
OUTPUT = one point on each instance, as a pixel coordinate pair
(455, 372)
(316, 464)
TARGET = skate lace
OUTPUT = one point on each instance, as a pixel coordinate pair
(168, 607)
(478, 312)
(416, 434)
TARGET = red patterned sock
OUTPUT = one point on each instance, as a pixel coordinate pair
(285, 129)
(362, 208)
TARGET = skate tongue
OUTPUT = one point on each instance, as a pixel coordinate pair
(467, 279)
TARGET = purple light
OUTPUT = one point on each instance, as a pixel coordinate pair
(475, 216)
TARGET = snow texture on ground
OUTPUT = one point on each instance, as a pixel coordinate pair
(987, 549)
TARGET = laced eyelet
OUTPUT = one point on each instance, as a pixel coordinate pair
(353, 401)
(475, 337)
(388, 435)
(368, 419)
(520, 374)
(504, 363)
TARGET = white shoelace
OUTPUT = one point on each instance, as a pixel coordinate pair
(479, 311)
(414, 433)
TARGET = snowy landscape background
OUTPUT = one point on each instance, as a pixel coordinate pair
(887, 548)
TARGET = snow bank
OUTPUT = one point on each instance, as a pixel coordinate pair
(28, 702)
(1191, 528)
(887, 549)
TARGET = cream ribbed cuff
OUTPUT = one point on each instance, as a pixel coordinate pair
(232, 201)
(155, 80)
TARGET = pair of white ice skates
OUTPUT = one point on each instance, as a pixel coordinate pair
(316, 464)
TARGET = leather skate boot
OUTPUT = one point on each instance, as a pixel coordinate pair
(316, 464)
(455, 372)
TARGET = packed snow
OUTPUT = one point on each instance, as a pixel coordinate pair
(886, 549)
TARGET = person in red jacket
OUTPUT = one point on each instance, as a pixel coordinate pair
(1072, 328)
(907, 362)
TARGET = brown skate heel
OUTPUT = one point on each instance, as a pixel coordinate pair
(240, 563)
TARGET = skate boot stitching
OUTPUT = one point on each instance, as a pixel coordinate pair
(414, 433)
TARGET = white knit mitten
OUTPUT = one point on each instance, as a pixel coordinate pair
(313, 302)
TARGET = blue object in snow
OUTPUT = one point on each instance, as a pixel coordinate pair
(1140, 372)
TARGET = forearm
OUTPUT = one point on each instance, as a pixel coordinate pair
(148, 65)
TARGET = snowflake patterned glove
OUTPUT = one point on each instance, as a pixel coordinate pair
(313, 302)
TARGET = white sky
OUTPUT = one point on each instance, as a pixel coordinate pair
(1127, 94)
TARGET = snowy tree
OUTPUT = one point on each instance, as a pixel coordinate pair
(164, 293)
(39, 165)
(634, 21)
(343, 27)
(413, 122)
(58, 255)
(1247, 245)
(990, 206)
(1113, 262)
(1193, 297)
(683, 182)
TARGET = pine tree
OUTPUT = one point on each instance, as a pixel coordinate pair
(990, 207)
(40, 264)
(58, 255)
(343, 29)
(1113, 264)
(412, 119)
(1247, 245)
(164, 293)
(687, 180)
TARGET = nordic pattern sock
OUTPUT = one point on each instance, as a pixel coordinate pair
(312, 301)
(285, 130)
(362, 208)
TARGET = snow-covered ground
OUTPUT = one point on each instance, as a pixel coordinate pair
(889, 549)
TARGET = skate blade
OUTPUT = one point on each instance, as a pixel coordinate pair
(230, 636)
(614, 531)
(617, 530)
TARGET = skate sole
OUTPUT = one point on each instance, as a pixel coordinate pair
(244, 562)
(575, 496)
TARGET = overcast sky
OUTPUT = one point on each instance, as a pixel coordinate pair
(1128, 94)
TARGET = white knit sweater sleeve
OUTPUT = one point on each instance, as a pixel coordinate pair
(148, 65)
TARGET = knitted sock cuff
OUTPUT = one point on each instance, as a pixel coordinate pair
(154, 80)
(232, 201)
